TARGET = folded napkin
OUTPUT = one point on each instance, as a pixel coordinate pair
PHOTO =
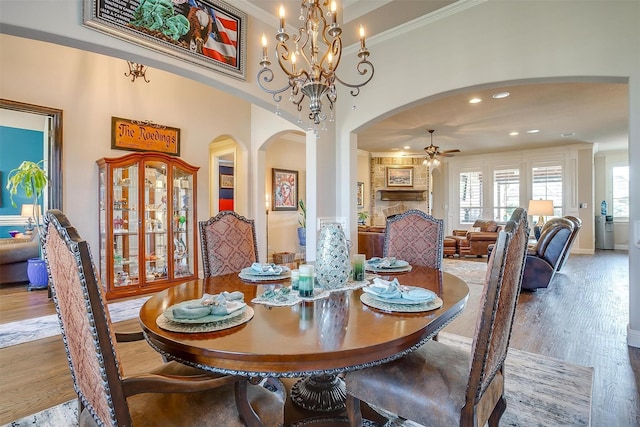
(394, 290)
(385, 262)
(218, 305)
(266, 268)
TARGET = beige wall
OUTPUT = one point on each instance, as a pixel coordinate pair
(603, 162)
(364, 175)
(92, 88)
(284, 154)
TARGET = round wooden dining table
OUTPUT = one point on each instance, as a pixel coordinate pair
(312, 339)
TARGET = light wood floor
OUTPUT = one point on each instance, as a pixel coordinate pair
(582, 318)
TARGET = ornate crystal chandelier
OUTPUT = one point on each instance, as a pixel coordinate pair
(310, 60)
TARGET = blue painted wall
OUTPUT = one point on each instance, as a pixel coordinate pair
(16, 145)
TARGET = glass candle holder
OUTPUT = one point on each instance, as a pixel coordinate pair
(295, 279)
(358, 267)
(305, 282)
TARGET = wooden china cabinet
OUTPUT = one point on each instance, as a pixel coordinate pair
(147, 220)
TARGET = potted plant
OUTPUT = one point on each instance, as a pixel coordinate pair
(302, 221)
(362, 217)
(33, 180)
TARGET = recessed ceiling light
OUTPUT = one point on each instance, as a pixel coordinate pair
(533, 131)
(475, 100)
(394, 149)
(568, 134)
(500, 95)
(514, 133)
(406, 147)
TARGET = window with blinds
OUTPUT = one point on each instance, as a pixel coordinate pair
(620, 192)
(547, 185)
(506, 193)
(470, 196)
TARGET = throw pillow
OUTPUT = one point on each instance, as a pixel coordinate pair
(475, 229)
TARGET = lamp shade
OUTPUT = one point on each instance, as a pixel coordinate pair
(540, 207)
(30, 211)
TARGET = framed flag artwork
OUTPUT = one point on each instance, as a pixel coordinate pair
(210, 33)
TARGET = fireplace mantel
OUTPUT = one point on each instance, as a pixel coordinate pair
(402, 194)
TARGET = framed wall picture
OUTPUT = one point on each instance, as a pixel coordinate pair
(226, 181)
(284, 184)
(210, 33)
(360, 195)
(400, 177)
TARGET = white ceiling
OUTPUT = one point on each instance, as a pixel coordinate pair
(590, 112)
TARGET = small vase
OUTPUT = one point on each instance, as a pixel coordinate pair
(332, 257)
(37, 273)
(302, 236)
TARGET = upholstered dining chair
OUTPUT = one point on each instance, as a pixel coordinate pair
(228, 243)
(439, 385)
(415, 237)
(173, 394)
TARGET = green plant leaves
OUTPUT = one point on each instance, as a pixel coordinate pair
(31, 177)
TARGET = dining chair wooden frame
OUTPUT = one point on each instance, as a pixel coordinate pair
(415, 237)
(228, 243)
(439, 385)
(173, 394)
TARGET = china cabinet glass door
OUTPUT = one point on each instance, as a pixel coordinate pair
(125, 268)
(183, 223)
(147, 217)
(155, 221)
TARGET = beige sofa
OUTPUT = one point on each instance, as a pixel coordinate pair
(14, 253)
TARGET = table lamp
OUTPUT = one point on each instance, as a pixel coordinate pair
(541, 208)
(30, 211)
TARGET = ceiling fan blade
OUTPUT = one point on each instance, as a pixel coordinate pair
(450, 151)
(446, 154)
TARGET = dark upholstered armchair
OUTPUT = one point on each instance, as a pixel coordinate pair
(577, 225)
(476, 241)
(544, 258)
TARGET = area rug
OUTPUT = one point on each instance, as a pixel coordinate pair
(540, 391)
(22, 331)
(471, 270)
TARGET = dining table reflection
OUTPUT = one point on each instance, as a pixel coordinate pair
(314, 340)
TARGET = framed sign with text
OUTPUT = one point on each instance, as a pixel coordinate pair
(135, 135)
(210, 33)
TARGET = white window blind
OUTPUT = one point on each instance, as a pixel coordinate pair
(506, 193)
(470, 196)
(620, 200)
(547, 185)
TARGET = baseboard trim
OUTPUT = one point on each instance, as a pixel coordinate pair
(582, 251)
(633, 337)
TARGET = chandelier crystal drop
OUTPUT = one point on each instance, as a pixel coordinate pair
(310, 59)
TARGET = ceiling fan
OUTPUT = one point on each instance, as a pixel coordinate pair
(433, 151)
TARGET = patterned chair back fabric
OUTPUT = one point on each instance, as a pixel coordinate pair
(87, 334)
(497, 307)
(442, 385)
(228, 243)
(415, 237)
(172, 394)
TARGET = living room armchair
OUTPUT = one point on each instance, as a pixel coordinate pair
(476, 240)
(543, 259)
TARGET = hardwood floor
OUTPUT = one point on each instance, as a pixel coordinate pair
(581, 318)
